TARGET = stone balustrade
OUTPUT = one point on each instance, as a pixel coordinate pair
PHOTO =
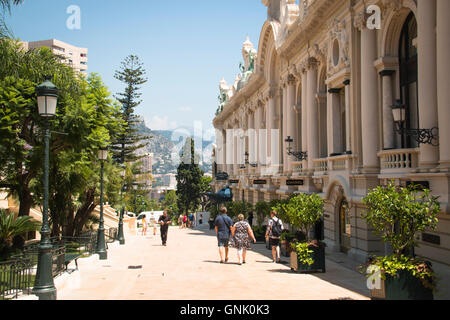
(399, 160)
(321, 166)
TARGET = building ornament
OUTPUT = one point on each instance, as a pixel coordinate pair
(360, 20)
(338, 47)
(394, 5)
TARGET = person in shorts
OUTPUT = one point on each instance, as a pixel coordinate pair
(273, 233)
(223, 226)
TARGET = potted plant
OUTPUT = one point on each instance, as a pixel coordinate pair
(397, 215)
(303, 212)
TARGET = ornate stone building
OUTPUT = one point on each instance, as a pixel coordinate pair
(327, 74)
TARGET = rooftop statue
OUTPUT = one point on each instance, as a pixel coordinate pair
(226, 92)
(249, 54)
(223, 95)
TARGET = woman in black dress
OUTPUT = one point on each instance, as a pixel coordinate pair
(241, 235)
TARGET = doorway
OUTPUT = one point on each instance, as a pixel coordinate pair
(345, 227)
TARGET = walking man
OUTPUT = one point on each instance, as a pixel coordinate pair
(223, 226)
(164, 222)
(274, 231)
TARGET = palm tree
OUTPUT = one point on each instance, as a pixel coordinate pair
(11, 227)
(6, 4)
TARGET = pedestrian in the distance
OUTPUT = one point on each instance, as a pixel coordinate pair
(223, 226)
(191, 220)
(144, 225)
(273, 233)
(164, 222)
(201, 219)
(155, 226)
(185, 219)
(241, 235)
(180, 221)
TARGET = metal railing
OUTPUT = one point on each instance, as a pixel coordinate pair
(16, 277)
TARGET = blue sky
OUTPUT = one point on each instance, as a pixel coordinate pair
(186, 47)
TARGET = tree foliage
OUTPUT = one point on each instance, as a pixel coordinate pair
(238, 207)
(397, 214)
(87, 119)
(262, 210)
(11, 228)
(132, 74)
(189, 178)
(304, 211)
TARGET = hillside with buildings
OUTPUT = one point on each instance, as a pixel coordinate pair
(162, 147)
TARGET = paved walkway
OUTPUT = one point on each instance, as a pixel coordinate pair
(188, 269)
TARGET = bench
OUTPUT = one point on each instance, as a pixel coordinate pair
(69, 257)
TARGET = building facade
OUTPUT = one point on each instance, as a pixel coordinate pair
(327, 74)
(73, 56)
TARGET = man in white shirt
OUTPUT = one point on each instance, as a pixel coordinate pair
(273, 233)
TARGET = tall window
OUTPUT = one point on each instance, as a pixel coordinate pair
(408, 78)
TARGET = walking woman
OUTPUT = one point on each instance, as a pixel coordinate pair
(241, 235)
(144, 225)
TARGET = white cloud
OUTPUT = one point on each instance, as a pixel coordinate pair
(160, 123)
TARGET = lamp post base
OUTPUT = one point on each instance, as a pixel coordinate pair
(45, 294)
(103, 255)
(101, 247)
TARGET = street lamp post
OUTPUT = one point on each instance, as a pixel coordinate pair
(135, 187)
(421, 136)
(122, 210)
(101, 248)
(44, 287)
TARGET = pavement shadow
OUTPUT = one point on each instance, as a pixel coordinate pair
(286, 271)
(218, 262)
(357, 283)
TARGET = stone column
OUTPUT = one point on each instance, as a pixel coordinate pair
(348, 129)
(443, 79)
(236, 150)
(285, 129)
(312, 114)
(334, 122)
(270, 125)
(252, 139)
(427, 69)
(258, 139)
(219, 156)
(388, 118)
(291, 118)
(224, 150)
(304, 113)
(230, 151)
(369, 101)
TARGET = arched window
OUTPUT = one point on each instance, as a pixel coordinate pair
(409, 78)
